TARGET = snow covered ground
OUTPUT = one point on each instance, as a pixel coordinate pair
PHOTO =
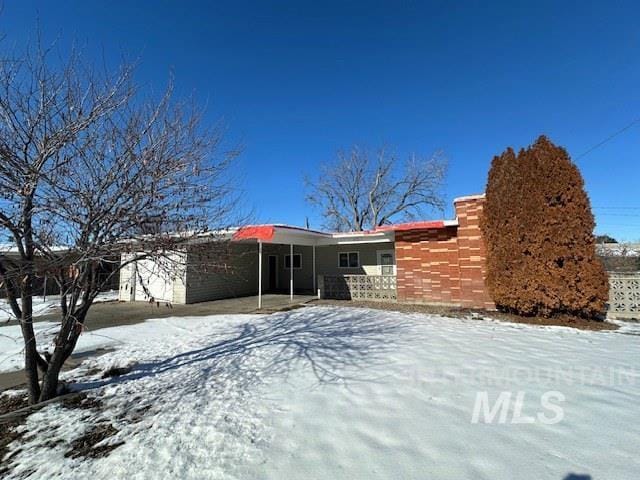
(11, 343)
(42, 305)
(328, 392)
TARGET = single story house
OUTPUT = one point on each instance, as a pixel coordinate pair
(437, 262)
(46, 267)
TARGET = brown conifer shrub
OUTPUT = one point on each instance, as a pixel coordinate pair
(538, 229)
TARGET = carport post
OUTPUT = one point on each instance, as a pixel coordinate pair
(291, 270)
(259, 274)
(314, 267)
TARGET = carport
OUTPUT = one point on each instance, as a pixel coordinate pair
(282, 238)
(301, 254)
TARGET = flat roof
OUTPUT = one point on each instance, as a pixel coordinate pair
(281, 233)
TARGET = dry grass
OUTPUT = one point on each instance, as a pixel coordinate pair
(456, 312)
(87, 446)
(9, 429)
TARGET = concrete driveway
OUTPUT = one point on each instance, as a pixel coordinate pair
(113, 314)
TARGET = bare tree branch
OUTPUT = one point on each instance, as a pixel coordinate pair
(91, 171)
(356, 193)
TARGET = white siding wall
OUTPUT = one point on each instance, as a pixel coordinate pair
(127, 286)
(169, 271)
(180, 288)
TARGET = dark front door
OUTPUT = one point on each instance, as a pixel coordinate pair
(273, 265)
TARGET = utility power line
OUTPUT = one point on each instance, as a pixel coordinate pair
(610, 137)
(619, 214)
(616, 208)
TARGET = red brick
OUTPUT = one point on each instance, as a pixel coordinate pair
(445, 266)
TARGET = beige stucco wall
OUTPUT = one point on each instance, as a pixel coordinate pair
(327, 258)
(326, 263)
(239, 279)
(302, 277)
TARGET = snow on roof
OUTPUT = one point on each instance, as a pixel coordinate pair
(478, 196)
(619, 249)
(11, 248)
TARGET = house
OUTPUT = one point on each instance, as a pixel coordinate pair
(619, 257)
(60, 259)
(441, 262)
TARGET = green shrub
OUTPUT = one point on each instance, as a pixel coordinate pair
(538, 227)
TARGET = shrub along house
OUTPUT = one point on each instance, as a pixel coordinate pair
(440, 262)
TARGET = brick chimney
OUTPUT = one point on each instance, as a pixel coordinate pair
(472, 253)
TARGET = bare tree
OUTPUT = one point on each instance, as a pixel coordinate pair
(357, 192)
(88, 169)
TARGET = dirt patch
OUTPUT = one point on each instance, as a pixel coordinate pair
(87, 446)
(8, 433)
(97, 441)
(82, 401)
(116, 372)
(564, 321)
(135, 415)
(12, 402)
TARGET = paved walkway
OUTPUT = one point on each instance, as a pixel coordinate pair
(113, 314)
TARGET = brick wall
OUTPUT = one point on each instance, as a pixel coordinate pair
(427, 266)
(472, 253)
(445, 265)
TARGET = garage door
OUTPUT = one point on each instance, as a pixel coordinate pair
(153, 282)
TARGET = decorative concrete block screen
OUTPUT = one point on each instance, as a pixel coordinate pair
(379, 288)
(624, 295)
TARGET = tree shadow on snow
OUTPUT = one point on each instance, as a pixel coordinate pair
(576, 476)
(338, 346)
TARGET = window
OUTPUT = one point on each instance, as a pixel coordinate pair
(349, 260)
(297, 261)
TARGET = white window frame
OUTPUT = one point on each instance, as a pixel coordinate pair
(347, 254)
(379, 254)
(284, 261)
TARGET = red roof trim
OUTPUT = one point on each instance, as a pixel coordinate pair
(401, 227)
(267, 232)
(257, 232)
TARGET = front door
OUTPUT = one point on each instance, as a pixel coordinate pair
(273, 278)
(387, 262)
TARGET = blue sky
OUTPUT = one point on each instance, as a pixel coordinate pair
(295, 81)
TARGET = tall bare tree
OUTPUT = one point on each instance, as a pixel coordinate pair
(359, 191)
(92, 172)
